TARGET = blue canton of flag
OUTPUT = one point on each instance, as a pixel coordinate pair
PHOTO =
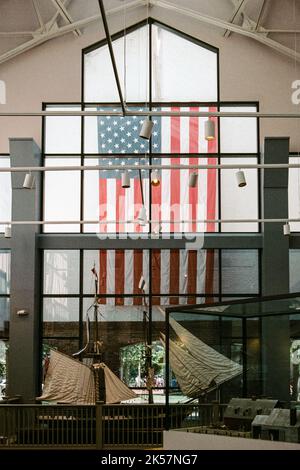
(120, 136)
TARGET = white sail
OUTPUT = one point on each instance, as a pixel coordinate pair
(196, 365)
(70, 381)
(192, 380)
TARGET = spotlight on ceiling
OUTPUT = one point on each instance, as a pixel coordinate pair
(210, 130)
(142, 217)
(193, 180)
(155, 181)
(125, 179)
(241, 179)
(7, 231)
(28, 181)
(286, 229)
(146, 130)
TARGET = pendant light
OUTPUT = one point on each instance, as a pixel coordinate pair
(286, 229)
(125, 179)
(193, 181)
(142, 217)
(210, 130)
(7, 231)
(28, 181)
(155, 181)
(241, 179)
(146, 130)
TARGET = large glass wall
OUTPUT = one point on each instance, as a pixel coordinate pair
(97, 195)
(129, 316)
(4, 316)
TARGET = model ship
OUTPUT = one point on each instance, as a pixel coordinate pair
(198, 368)
(71, 381)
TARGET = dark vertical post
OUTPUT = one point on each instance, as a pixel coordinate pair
(167, 369)
(245, 361)
(23, 369)
(275, 270)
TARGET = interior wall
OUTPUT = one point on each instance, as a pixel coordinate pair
(52, 72)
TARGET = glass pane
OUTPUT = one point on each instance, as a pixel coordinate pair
(4, 317)
(66, 346)
(116, 208)
(61, 272)
(176, 134)
(4, 272)
(238, 135)
(119, 273)
(62, 195)
(99, 79)
(294, 194)
(240, 272)
(182, 70)
(239, 203)
(120, 326)
(60, 316)
(63, 133)
(117, 135)
(174, 201)
(5, 193)
(188, 272)
(3, 367)
(294, 270)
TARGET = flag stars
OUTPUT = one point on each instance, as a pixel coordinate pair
(128, 134)
(117, 146)
(115, 123)
(108, 129)
(116, 134)
(122, 128)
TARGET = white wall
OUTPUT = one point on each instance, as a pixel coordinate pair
(52, 72)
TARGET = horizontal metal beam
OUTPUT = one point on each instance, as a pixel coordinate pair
(218, 166)
(152, 221)
(152, 113)
(92, 242)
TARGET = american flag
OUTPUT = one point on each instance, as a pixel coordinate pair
(173, 271)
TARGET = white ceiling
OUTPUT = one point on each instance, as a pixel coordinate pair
(24, 24)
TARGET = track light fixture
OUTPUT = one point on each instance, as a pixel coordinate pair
(142, 217)
(28, 181)
(286, 229)
(125, 179)
(142, 283)
(241, 179)
(7, 231)
(157, 229)
(155, 181)
(193, 180)
(146, 129)
(210, 130)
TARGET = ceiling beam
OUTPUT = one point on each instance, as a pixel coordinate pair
(239, 9)
(217, 22)
(65, 15)
(38, 14)
(57, 32)
(261, 13)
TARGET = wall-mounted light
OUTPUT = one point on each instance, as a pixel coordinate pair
(210, 130)
(125, 179)
(155, 181)
(193, 181)
(28, 181)
(22, 313)
(146, 129)
(241, 179)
